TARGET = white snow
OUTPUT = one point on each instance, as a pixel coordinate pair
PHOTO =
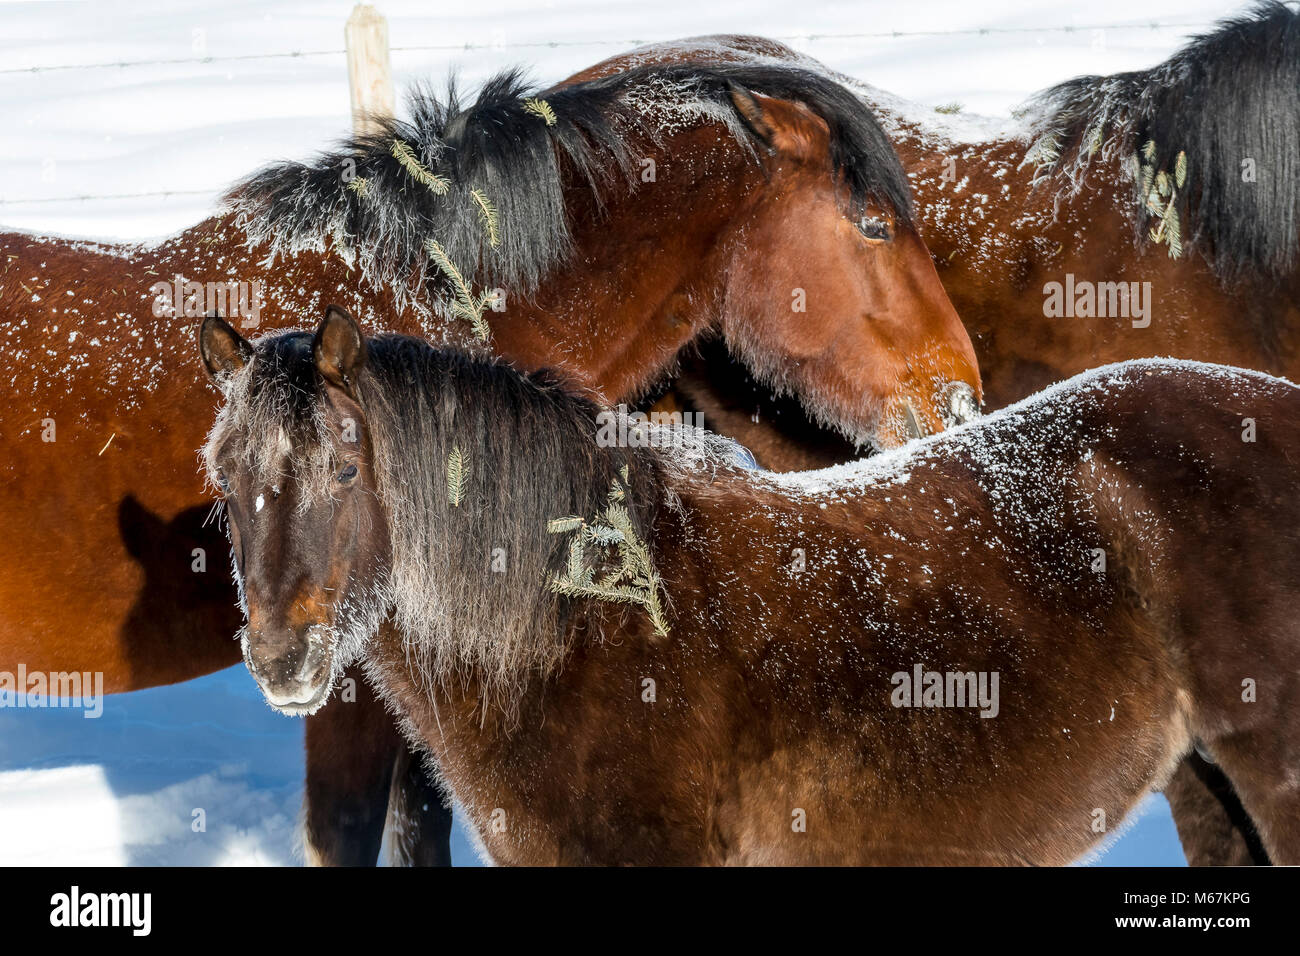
(193, 127)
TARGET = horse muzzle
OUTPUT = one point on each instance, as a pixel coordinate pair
(958, 404)
(293, 668)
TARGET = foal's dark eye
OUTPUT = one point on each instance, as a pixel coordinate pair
(873, 227)
(223, 483)
(348, 473)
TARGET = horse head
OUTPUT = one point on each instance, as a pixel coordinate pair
(292, 459)
(830, 292)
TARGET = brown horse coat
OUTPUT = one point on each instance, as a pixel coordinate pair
(772, 737)
(712, 208)
(1006, 226)
(1112, 558)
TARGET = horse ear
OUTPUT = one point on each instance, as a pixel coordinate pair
(223, 349)
(751, 112)
(339, 349)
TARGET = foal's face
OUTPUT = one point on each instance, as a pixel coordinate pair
(851, 305)
(309, 536)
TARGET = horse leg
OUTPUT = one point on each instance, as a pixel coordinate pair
(351, 749)
(419, 817)
(1213, 827)
(1263, 766)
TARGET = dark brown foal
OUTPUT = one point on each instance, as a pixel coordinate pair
(985, 647)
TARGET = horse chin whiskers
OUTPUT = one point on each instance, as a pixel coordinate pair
(310, 707)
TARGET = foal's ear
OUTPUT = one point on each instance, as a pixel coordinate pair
(339, 349)
(751, 112)
(223, 349)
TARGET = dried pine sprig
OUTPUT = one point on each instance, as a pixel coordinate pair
(466, 304)
(541, 109)
(633, 580)
(489, 213)
(1160, 196)
(1044, 152)
(360, 185)
(457, 476)
(438, 185)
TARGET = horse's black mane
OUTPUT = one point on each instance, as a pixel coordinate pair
(1228, 97)
(469, 578)
(503, 146)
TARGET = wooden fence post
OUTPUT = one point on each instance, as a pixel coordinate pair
(370, 77)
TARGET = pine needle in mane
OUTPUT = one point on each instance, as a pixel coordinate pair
(1221, 117)
(486, 180)
(474, 462)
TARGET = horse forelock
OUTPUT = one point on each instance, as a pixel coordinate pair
(485, 180)
(272, 423)
(1226, 102)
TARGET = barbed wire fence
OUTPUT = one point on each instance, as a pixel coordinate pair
(470, 46)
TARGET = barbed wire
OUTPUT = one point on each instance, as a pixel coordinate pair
(84, 196)
(173, 61)
(560, 44)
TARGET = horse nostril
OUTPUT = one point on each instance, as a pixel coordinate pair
(960, 405)
(911, 423)
(312, 662)
(284, 660)
(291, 668)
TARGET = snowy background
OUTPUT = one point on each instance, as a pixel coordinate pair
(126, 120)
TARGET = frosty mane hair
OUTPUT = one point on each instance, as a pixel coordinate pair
(531, 455)
(272, 422)
(1227, 96)
(500, 149)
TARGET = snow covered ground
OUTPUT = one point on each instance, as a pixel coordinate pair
(123, 789)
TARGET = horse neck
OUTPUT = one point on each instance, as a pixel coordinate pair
(645, 278)
(974, 200)
(515, 757)
(729, 622)
(472, 567)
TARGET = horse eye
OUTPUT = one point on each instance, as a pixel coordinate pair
(223, 483)
(348, 473)
(875, 228)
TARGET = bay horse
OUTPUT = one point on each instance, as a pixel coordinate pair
(1054, 200)
(983, 648)
(600, 228)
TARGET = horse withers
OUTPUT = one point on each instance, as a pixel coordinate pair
(985, 647)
